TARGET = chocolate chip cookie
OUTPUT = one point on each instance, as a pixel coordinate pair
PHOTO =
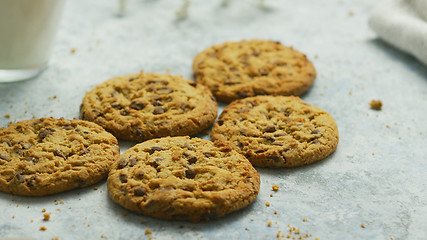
(182, 178)
(143, 106)
(277, 131)
(46, 156)
(234, 70)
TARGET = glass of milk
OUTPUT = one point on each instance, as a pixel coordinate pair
(27, 33)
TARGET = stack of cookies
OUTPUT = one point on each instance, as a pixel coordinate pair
(170, 175)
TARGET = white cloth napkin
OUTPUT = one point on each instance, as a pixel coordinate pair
(403, 24)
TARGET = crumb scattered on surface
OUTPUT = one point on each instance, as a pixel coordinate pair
(362, 225)
(373, 154)
(95, 188)
(43, 210)
(148, 232)
(13, 217)
(304, 219)
(269, 224)
(55, 238)
(275, 212)
(43, 228)
(7, 115)
(351, 13)
(31, 221)
(102, 235)
(376, 104)
(267, 204)
(61, 202)
(124, 213)
(275, 187)
(387, 126)
(46, 217)
(73, 50)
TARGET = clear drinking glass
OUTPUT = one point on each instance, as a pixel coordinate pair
(27, 32)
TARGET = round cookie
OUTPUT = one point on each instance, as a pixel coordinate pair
(234, 70)
(46, 156)
(143, 106)
(182, 179)
(276, 131)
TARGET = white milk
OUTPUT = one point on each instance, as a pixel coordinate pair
(27, 32)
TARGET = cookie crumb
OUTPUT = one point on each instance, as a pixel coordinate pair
(362, 225)
(246, 229)
(43, 228)
(124, 213)
(43, 210)
(275, 187)
(46, 217)
(7, 115)
(95, 188)
(267, 204)
(31, 221)
(55, 238)
(275, 212)
(13, 217)
(73, 50)
(304, 219)
(376, 104)
(387, 126)
(148, 231)
(269, 224)
(102, 235)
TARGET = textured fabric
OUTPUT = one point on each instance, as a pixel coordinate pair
(403, 24)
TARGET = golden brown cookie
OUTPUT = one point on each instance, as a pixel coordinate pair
(149, 105)
(234, 70)
(183, 179)
(45, 156)
(276, 131)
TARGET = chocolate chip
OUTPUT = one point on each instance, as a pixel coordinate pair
(31, 181)
(259, 91)
(158, 160)
(209, 154)
(315, 131)
(316, 141)
(5, 157)
(156, 103)
(122, 163)
(158, 110)
(239, 145)
(220, 122)
(164, 91)
(131, 79)
(277, 144)
(44, 133)
(279, 134)
(18, 151)
(31, 159)
(263, 72)
(80, 182)
(276, 158)
(95, 112)
(255, 54)
(133, 162)
(19, 178)
(7, 141)
(190, 173)
(194, 84)
(270, 128)
(116, 106)
(154, 148)
(260, 151)
(140, 191)
(137, 105)
(124, 112)
(123, 178)
(69, 127)
(86, 151)
(59, 154)
(139, 133)
(192, 160)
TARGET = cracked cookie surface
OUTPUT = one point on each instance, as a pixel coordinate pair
(46, 156)
(143, 106)
(182, 178)
(277, 131)
(234, 70)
